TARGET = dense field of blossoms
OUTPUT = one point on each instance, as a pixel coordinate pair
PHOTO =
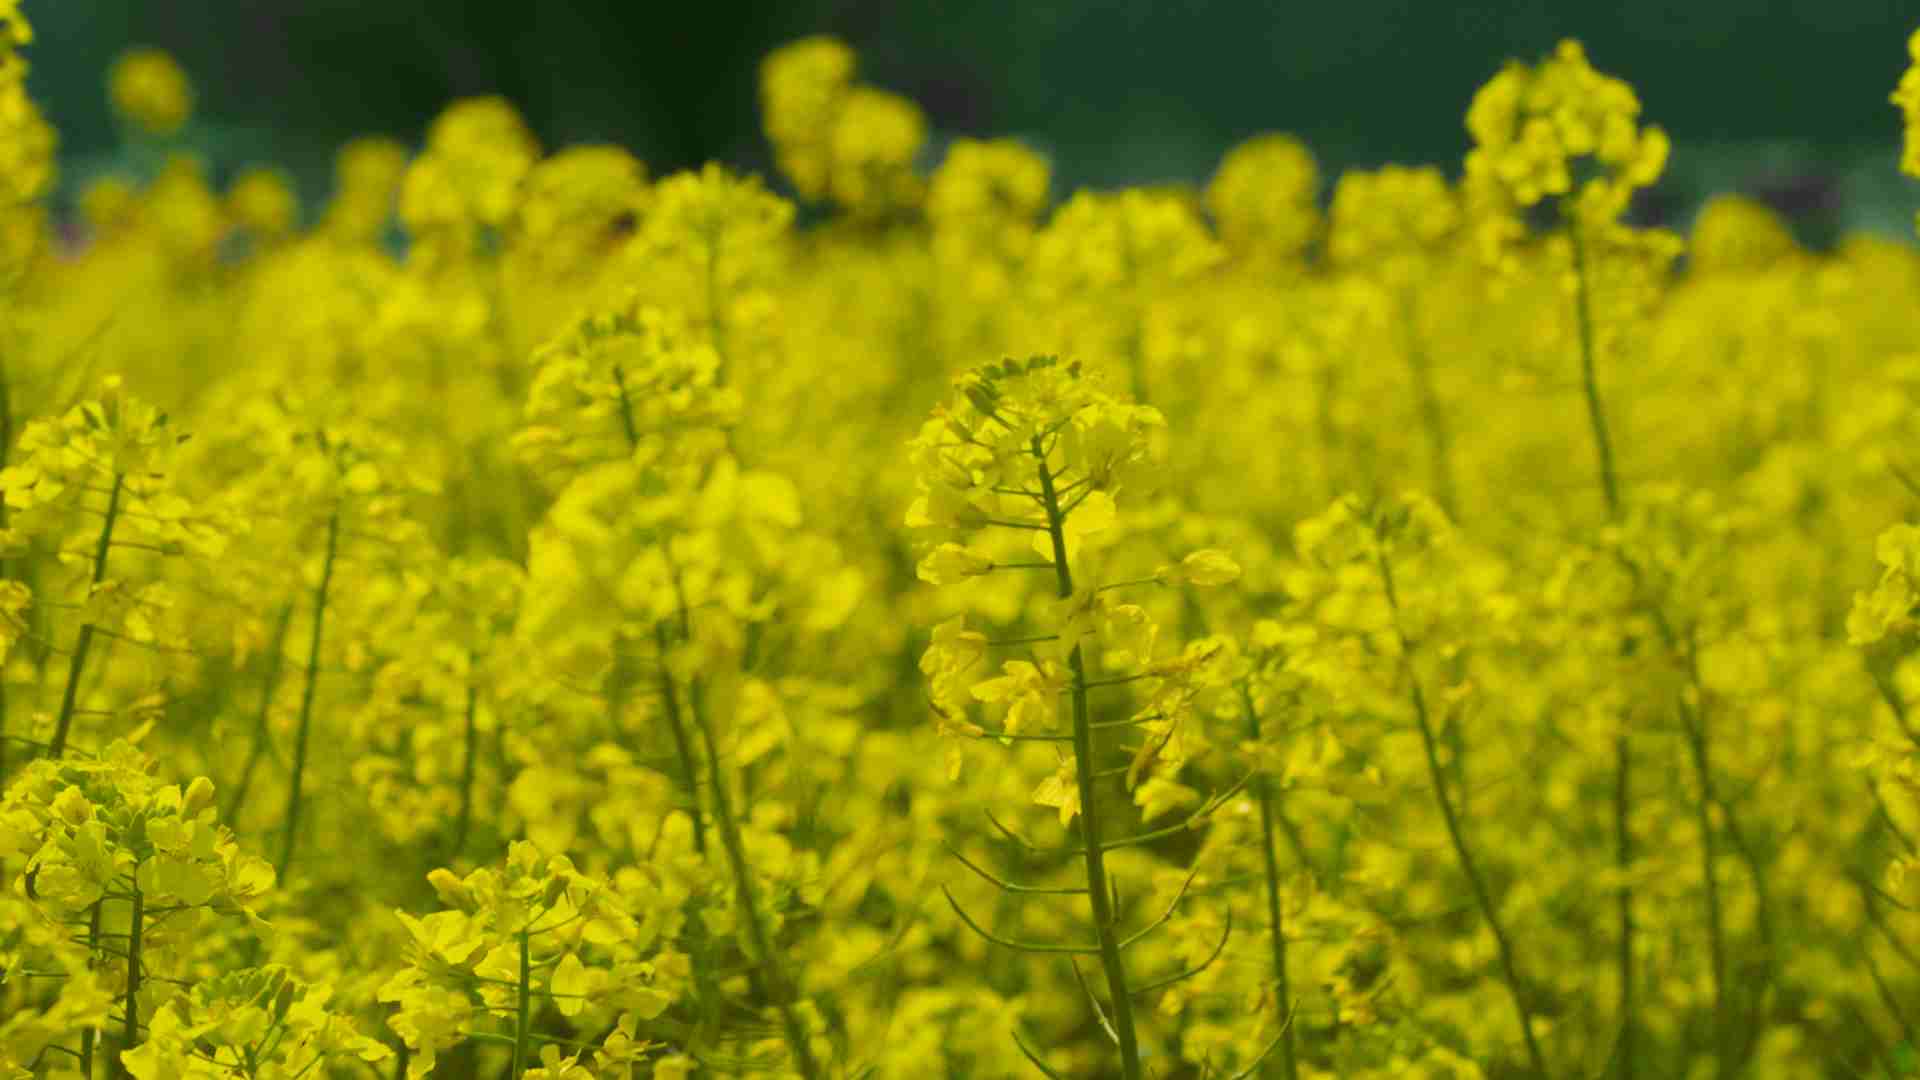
(540, 620)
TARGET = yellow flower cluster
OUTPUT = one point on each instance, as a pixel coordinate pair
(1373, 625)
(838, 139)
(150, 89)
(1536, 128)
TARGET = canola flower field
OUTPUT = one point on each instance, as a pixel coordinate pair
(542, 620)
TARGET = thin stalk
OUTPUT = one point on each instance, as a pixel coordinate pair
(1099, 893)
(1327, 430)
(1589, 382)
(1432, 417)
(6, 565)
(669, 694)
(131, 1009)
(305, 729)
(1275, 917)
(1436, 774)
(523, 1022)
(275, 661)
(716, 318)
(469, 758)
(1709, 855)
(87, 1036)
(773, 971)
(682, 744)
(1622, 746)
(1623, 911)
(77, 665)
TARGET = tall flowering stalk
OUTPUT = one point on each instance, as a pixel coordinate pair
(1033, 453)
(98, 480)
(1535, 130)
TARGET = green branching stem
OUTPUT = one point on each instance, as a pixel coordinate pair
(523, 1019)
(1276, 923)
(76, 666)
(1482, 898)
(669, 693)
(130, 1036)
(1093, 850)
(269, 682)
(773, 971)
(1622, 745)
(305, 727)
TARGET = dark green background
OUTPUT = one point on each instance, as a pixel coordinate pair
(1784, 97)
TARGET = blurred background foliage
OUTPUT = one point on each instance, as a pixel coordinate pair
(1784, 99)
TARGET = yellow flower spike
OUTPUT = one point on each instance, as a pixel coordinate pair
(1534, 127)
(263, 201)
(1907, 97)
(876, 139)
(478, 152)
(15, 30)
(1735, 233)
(149, 89)
(988, 185)
(1264, 198)
(367, 174)
(577, 205)
(1392, 217)
(802, 87)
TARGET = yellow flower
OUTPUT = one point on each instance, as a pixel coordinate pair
(1205, 568)
(802, 85)
(149, 88)
(949, 563)
(1535, 128)
(1264, 196)
(1907, 96)
(264, 201)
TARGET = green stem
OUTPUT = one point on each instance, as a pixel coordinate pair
(1622, 744)
(75, 667)
(1709, 855)
(1099, 893)
(1589, 382)
(1432, 416)
(131, 1009)
(6, 565)
(669, 694)
(773, 972)
(1326, 427)
(275, 662)
(1275, 916)
(716, 320)
(523, 1022)
(1623, 861)
(682, 744)
(469, 757)
(1464, 854)
(88, 1035)
(305, 729)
